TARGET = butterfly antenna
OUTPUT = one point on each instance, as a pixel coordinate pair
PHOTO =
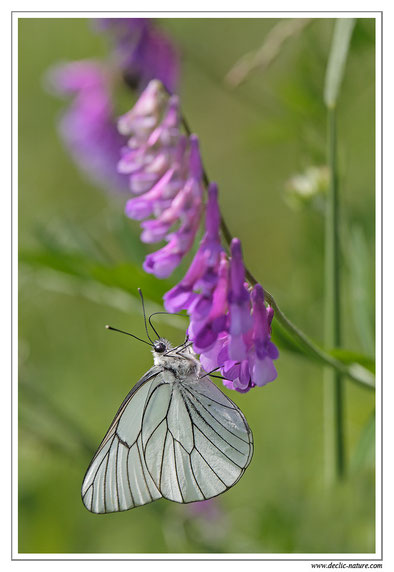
(155, 314)
(152, 326)
(128, 334)
(143, 309)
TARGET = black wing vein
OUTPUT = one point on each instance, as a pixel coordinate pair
(128, 477)
(214, 430)
(216, 419)
(176, 471)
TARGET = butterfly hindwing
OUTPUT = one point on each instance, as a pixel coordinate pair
(198, 445)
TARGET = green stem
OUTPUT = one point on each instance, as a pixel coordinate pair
(303, 339)
(333, 383)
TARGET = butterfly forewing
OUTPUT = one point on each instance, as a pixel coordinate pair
(181, 440)
(117, 478)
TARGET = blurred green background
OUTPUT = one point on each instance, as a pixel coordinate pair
(81, 264)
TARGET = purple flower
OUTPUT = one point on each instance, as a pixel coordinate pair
(143, 52)
(162, 262)
(205, 332)
(240, 321)
(165, 171)
(156, 145)
(261, 362)
(208, 510)
(88, 126)
(229, 325)
(185, 208)
(256, 367)
(194, 289)
(142, 119)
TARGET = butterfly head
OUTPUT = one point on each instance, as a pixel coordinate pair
(161, 350)
(161, 346)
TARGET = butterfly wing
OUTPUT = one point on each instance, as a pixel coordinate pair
(197, 444)
(117, 478)
(185, 442)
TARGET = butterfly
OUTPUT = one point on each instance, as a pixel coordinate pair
(176, 436)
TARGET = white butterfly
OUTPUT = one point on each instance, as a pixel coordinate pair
(176, 435)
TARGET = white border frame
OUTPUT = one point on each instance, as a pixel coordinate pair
(272, 558)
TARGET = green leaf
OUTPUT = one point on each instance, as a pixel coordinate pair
(69, 263)
(349, 357)
(125, 277)
(337, 59)
(285, 341)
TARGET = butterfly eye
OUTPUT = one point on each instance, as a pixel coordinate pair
(160, 347)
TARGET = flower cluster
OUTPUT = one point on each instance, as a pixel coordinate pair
(165, 172)
(230, 327)
(88, 126)
(146, 153)
(142, 52)
(229, 324)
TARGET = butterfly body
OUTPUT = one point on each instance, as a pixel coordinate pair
(176, 435)
(183, 363)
